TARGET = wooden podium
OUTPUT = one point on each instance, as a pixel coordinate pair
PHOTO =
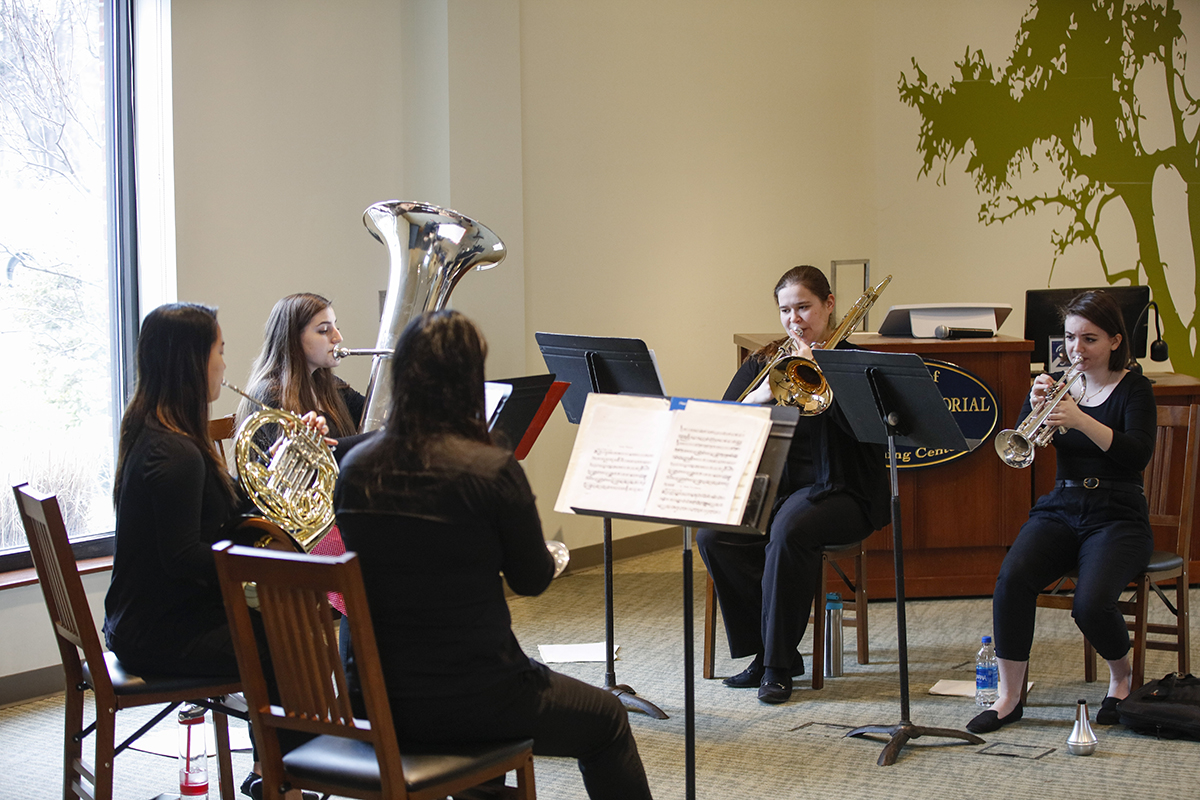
(959, 518)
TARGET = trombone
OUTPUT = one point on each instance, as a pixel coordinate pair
(798, 381)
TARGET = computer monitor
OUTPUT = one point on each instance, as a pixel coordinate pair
(1044, 325)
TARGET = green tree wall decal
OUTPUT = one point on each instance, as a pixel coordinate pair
(1065, 99)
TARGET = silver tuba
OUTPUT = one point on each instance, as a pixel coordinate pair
(430, 250)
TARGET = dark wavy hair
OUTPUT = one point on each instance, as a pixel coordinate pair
(810, 278)
(173, 349)
(1100, 309)
(437, 384)
(281, 376)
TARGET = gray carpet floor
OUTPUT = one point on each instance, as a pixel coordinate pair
(746, 749)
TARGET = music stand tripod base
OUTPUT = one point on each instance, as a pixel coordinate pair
(903, 732)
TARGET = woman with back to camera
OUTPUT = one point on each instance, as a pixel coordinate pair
(1095, 519)
(174, 499)
(833, 490)
(437, 513)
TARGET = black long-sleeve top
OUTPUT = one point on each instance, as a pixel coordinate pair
(825, 455)
(170, 510)
(433, 544)
(1131, 413)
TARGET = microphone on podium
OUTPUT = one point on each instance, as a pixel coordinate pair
(947, 332)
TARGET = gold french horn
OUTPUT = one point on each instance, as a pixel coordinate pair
(292, 481)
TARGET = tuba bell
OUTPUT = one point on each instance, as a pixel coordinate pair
(430, 249)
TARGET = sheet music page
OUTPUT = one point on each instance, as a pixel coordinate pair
(616, 454)
(495, 395)
(710, 456)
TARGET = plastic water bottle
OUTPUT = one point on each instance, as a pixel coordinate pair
(987, 674)
(193, 754)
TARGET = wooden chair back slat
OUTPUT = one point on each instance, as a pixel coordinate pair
(50, 546)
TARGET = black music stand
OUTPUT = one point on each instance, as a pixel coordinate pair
(519, 410)
(755, 519)
(607, 365)
(890, 397)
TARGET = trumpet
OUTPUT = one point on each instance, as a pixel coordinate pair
(1017, 447)
(798, 381)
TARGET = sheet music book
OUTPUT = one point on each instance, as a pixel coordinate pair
(648, 456)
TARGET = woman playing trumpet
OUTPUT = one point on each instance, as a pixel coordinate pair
(833, 491)
(1094, 520)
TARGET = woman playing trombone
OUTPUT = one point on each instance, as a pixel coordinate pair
(833, 491)
(1095, 519)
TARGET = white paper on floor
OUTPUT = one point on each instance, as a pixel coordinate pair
(163, 738)
(960, 688)
(561, 653)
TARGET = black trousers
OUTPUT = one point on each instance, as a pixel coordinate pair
(766, 584)
(1106, 534)
(563, 716)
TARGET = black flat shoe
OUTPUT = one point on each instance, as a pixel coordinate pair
(775, 690)
(252, 787)
(750, 676)
(1107, 713)
(990, 721)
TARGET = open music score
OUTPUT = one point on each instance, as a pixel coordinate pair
(654, 457)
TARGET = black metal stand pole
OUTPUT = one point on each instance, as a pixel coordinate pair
(626, 693)
(904, 730)
(689, 673)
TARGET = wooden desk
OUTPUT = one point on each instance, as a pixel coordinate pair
(961, 517)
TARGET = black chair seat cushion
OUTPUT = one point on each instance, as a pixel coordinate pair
(126, 683)
(1162, 561)
(351, 763)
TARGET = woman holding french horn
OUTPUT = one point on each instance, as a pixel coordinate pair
(834, 490)
(1095, 519)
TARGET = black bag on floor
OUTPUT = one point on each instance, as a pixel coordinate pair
(1167, 708)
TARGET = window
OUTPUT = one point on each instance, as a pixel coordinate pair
(68, 300)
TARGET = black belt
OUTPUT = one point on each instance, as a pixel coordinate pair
(1099, 483)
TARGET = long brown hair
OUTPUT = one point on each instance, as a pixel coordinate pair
(281, 376)
(437, 385)
(810, 278)
(173, 349)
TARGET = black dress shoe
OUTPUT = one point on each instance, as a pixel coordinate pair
(776, 688)
(752, 675)
(1107, 714)
(990, 721)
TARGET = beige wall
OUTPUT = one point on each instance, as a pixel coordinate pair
(652, 167)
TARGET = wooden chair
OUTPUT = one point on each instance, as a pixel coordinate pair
(854, 611)
(113, 687)
(1170, 483)
(348, 757)
(221, 430)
